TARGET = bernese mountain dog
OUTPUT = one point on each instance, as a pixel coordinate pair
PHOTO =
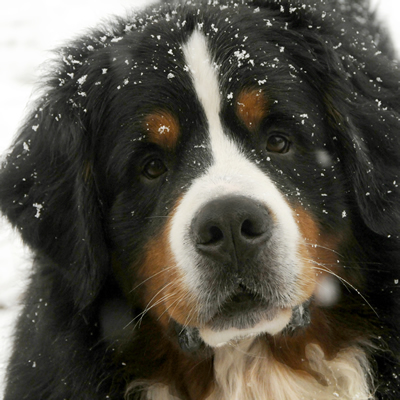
(211, 194)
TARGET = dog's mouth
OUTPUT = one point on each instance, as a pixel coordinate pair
(244, 314)
(242, 310)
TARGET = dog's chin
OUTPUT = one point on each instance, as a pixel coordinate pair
(245, 314)
(224, 329)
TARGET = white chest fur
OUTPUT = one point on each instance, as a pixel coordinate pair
(248, 371)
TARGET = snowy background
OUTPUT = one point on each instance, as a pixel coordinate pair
(28, 31)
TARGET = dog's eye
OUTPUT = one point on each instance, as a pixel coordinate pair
(154, 169)
(278, 144)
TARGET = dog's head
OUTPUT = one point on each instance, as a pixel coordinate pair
(217, 167)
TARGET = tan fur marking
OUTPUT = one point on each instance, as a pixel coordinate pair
(251, 107)
(318, 251)
(164, 290)
(162, 128)
(310, 234)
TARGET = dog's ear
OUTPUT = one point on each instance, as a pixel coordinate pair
(48, 184)
(369, 149)
(362, 100)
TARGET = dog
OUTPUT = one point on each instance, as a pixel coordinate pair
(211, 194)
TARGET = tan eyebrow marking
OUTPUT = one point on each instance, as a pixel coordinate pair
(251, 107)
(162, 128)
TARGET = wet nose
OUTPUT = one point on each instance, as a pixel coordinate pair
(231, 229)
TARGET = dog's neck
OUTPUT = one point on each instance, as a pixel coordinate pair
(247, 370)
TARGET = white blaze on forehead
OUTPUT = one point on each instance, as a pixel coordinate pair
(204, 75)
(231, 173)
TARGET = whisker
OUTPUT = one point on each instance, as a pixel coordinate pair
(148, 308)
(172, 304)
(340, 255)
(188, 319)
(150, 305)
(323, 268)
(323, 247)
(150, 277)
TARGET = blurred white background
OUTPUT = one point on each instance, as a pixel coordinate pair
(28, 31)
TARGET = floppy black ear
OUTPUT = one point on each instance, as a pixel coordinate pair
(48, 185)
(369, 150)
(362, 99)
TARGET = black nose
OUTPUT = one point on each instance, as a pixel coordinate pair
(231, 230)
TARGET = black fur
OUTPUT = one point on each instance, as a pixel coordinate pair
(71, 180)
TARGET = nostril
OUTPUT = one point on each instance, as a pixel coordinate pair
(213, 235)
(250, 230)
(255, 227)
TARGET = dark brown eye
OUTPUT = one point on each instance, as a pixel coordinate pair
(278, 144)
(154, 169)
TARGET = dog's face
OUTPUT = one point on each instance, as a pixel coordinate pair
(211, 174)
(228, 180)
(223, 169)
